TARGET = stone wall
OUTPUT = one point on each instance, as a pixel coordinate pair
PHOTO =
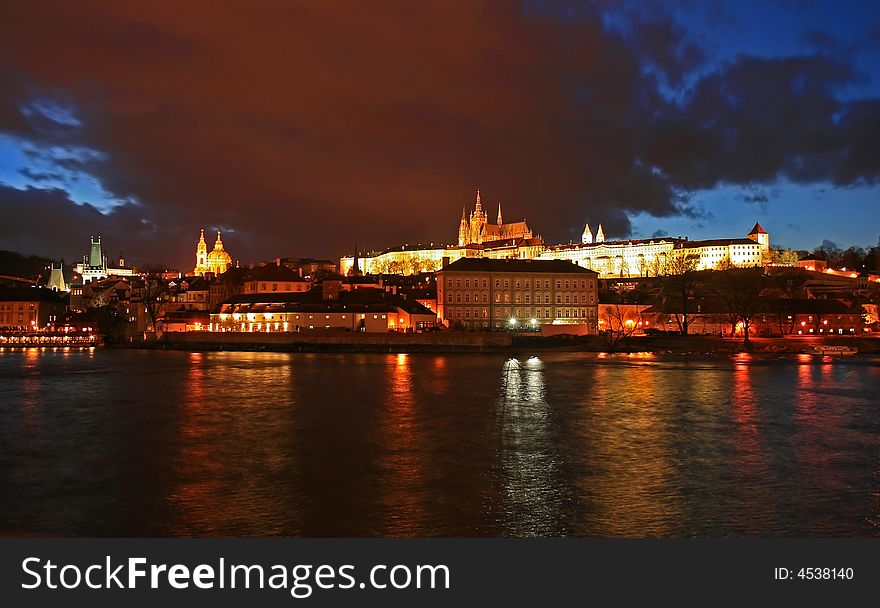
(337, 341)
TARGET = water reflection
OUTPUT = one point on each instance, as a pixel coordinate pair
(530, 464)
(225, 460)
(402, 487)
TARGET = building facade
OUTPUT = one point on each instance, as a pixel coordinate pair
(516, 294)
(649, 257)
(273, 278)
(30, 308)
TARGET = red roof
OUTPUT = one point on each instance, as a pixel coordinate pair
(757, 229)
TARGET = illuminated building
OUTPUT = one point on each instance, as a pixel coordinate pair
(648, 257)
(477, 230)
(517, 294)
(329, 308)
(217, 261)
(477, 238)
(30, 307)
(94, 265)
(56, 279)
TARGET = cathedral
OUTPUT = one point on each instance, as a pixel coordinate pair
(216, 262)
(477, 230)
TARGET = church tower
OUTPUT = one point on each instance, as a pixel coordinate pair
(587, 236)
(600, 235)
(463, 229)
(56, 278)
(478, 220)
(202, 254)
(499, 222)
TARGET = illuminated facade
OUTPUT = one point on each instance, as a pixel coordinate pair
(217, 261)
(477, 238)
(643, 258)
(517, 294)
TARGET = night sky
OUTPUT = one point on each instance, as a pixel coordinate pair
(299, 128)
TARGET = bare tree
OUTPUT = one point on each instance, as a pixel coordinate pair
(740, 289)
(619, 322)
(679, 279)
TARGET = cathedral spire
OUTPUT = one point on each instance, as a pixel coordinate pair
(202, 237)
(587, 236)
(218, 244)
(499, 214)
(355, 270)
(463, 215)
(479, 208)
(600, 235)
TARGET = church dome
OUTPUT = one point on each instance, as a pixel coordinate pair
(218, 256)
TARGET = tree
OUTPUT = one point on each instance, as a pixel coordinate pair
(679, 280)
(740, 289)
(618, 322)
(155, 292)
(853, 258)
(785, 257)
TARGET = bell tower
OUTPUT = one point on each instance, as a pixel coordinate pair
(201, 254)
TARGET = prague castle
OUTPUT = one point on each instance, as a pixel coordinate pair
(477, 238)
(648, 257)
(216, 262)
(629, 258)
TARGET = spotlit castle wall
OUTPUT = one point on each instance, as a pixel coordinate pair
(477, 238)
(648, 257)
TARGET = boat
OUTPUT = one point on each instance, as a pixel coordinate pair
(827, 349)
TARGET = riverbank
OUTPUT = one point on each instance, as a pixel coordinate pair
(491, 342)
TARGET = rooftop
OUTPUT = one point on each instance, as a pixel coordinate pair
(515, 265)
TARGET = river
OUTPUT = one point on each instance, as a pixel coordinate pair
(103, 442)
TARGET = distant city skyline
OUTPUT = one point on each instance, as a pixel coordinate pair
(691, 119)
